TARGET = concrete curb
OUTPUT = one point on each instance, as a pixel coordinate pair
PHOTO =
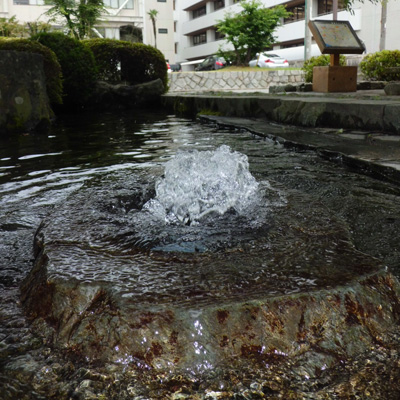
(342, 111)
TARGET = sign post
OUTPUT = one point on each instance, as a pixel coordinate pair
(335, 38)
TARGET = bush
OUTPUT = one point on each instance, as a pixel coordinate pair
(77, 64)
(106, 53)
(320, 61)
(382, 66)
(125, 61)
(52, 69)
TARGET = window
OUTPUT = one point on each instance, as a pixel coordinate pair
(161, 1)
(29, 2)
(162, 30)
(200, 39)
(326, 6)
(298, 13)
(118, 3)
(219, 4)
(199, 12)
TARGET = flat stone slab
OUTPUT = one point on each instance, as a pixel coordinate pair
(104, 299)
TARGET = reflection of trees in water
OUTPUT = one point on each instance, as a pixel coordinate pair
(131, 33)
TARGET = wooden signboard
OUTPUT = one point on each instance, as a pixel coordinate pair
(336, 37)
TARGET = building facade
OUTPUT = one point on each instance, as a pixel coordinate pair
(186, 29)
(196, 36)
(122, 20)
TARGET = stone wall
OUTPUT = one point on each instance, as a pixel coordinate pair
(24, 105)
(226, 80)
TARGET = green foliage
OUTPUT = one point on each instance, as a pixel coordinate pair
(107, 56)
(77, 64)
(320, 61)
(153, 17)
(52, 69)
(143, 63)
(382, 66)
(37, 27)
(125, 61)
(10, 27)
(79, 16)
(251, 30)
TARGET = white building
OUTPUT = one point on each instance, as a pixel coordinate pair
(196, 36)
(122, 15)
(186, 28)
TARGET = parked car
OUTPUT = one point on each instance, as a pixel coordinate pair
(268, 60)
(211, 63)
(176, 67)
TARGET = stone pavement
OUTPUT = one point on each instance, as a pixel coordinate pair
(360, 128)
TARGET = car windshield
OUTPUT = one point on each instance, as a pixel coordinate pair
(271, 55)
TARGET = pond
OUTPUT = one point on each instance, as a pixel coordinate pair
(78, 197)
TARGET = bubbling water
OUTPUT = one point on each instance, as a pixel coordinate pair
(197, 184)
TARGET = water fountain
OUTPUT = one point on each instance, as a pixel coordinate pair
(204, 268)
(282, 292)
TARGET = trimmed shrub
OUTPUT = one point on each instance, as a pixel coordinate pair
(143, 63)
(320, 61)
(118, 60)
(382, 66)
(77, 64)
(106, 53)
(52, 69)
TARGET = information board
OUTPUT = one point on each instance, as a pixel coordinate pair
(336, 37)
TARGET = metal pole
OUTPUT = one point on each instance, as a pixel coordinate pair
(335, 8)
(307, 32)
(382, 41)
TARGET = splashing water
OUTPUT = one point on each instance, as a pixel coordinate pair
(200, 183)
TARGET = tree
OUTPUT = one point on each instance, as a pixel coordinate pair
(153, 16)
(251, 30)
(79, 15)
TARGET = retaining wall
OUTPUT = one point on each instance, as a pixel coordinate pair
(308, 111)
(226, 80)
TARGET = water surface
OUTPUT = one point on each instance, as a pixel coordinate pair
(319, 216)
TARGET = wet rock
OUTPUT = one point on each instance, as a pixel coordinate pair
(164, 333)
(24, 105)
(321, 327)
(302, 87)
(392, 89)
(282, 89)
(107, 95)
(371, 85)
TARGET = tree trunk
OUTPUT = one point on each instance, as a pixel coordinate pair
(155, 32)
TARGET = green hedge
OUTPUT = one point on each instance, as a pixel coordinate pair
(52, 68)
(125, 61)
(320, 61)
(382, 66)
(77, 64)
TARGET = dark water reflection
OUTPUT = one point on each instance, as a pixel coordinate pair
(40, 174)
